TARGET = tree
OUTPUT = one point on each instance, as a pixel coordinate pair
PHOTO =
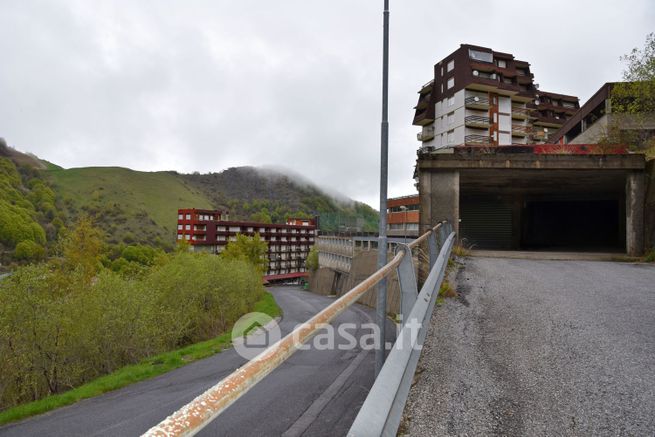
(262, 216)
(633, 101)
(82, 248)
(251, 249)
(312, 259)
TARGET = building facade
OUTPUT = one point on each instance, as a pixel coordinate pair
(403, 216)
(479, 97)
(594, 121)
(288, 244)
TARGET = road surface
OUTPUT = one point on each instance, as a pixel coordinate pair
(540, 348)
(316, 392)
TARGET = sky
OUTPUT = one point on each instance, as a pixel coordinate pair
(206, 85)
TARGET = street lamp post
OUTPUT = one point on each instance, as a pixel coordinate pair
(381, 304)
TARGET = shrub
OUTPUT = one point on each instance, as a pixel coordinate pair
(29, 251)
(312, 259)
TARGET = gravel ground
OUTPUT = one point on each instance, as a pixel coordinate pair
(540, 348)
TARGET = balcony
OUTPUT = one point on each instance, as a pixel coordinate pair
(477, 121)
(519, 130)
(426, 135)
(520, 113)
(476, 102)
(478, 140)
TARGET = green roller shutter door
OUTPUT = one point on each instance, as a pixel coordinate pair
(486, 222)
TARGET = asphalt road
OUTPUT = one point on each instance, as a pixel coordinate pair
(316, 392)
(540, 348)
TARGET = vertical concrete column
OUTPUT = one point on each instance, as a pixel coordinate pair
(635, 198)
(439, 195)
(445, 198)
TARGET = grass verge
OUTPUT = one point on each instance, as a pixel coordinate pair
(148, 368)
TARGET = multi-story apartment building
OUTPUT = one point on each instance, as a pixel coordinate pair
(288, 244)
(403, 216)
(479, 97)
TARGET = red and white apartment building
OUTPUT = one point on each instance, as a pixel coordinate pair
(288, 244)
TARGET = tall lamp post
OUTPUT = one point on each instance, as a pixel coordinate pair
(381, 304)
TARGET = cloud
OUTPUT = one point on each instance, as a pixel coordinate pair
(205, 85)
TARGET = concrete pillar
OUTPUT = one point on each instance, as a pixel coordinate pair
(439, 196)
(635, 198)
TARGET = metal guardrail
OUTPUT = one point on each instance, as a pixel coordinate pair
(382, 411)
(477, 139)
(194, 416)
(476, 101)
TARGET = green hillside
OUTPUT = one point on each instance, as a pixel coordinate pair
(131, 206)
(251, 193)
(141, 207)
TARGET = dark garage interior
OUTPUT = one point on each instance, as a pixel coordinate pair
(558, 211)
(571, 225)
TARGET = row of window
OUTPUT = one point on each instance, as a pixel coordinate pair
(199, 217)
(250, 229)
(403, 226)
(404, 208)
(284, 271)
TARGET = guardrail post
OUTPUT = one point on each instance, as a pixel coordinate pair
(407, 282)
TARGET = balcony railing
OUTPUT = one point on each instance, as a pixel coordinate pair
(477, 140)
(476, 102)
(477, 121)
(520, 130)
(520, 113)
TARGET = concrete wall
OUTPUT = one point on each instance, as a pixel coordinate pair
(327, 281)
(649, 210)
(593, 133)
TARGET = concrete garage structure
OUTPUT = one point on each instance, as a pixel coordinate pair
(547, 197)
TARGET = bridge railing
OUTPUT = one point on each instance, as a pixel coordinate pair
(383, 407)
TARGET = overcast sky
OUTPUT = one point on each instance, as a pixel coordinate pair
(205, 85)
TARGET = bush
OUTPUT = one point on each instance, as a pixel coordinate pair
(17, 224)
(312, 259)
(29, 251)
(59, 330)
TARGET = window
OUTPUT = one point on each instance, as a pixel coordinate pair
(451, 65)
(188, 216)
(501, 63)
(441, 71)
(481, 56)
(180, 216)
(451, 118)
(188, 227)
(180, 236)
(451, 101)
(187, 237)
(451, 82)
(180, 227)
(451, 137)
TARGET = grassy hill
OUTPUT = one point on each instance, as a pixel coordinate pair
(132, 206)
(141, 207)
(251, 193)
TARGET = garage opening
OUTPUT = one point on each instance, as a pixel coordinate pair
(559, 211)
(584, 225)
